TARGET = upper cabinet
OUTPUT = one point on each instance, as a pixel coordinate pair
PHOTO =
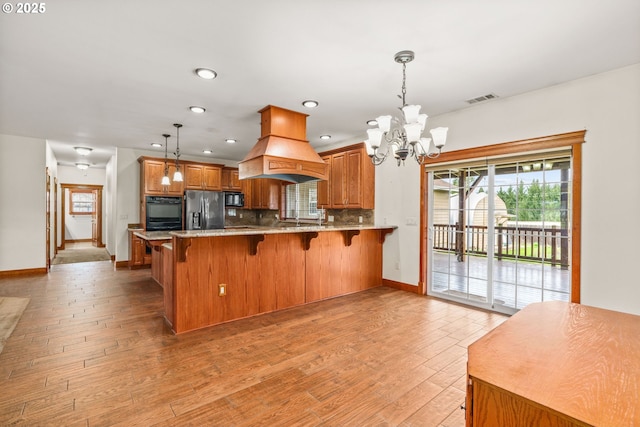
(230, 181)
(265, 193)
(202, 177)
(351, 181)
(151, 173)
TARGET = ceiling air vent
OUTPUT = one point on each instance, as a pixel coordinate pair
(482, 98)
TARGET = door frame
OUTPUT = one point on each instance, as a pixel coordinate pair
(98, 189)
(572, 140)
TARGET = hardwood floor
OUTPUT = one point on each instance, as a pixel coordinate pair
(92, 349)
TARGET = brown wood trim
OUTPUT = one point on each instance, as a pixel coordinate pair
(348, 236)
(307, 238)
(384, 232)
(182, 162)
(423, 244)
(181, 245)
(254, 239)
(570, 139)
(120, 265)
(514, 147)
(576, 221)
(357, 146)
(401, 286)
(77, 240)
(24, 272)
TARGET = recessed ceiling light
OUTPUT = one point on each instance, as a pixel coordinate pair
(206, 73)
(82, 166)
(207, 151)
(230, 140)
(83, 151)
(196, 109)
(325, 136)
(310, 103)
(372, 122)
(156, 144)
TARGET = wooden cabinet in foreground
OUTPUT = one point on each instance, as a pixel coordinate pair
(556, 364)
(351, 181)
(138, 256)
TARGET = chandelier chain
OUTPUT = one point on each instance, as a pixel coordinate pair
(404, 83)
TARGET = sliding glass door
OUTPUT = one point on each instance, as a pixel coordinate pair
(499, 232)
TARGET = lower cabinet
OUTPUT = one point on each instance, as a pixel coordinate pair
(167, 281)
(139, 255)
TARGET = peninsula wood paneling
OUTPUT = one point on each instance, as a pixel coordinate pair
(280, 275)
(167, 282)
(333, 269)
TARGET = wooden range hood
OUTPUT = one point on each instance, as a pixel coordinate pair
(282, 152)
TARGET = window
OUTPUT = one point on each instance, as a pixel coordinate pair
(301, 201)
(82, 202)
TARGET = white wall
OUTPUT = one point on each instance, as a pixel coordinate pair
(52, 166)
(110, 201)
(22, 203)
(608, 107)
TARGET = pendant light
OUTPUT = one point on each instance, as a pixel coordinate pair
(165, 179)
(177, 176)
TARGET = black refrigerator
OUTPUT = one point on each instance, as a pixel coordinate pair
(203, 210)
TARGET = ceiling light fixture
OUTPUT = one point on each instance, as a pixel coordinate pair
(206, 73)
(82, 166)
(325, 137)
(156, 144)
(402, 136)
(83, 151)
(309, 103)
(165, 179)
(177, 176)
(230, 141)
(207, 151)
(372, 122)
(196, 109)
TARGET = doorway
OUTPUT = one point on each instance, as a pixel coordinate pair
(85, 202)
(501, 223)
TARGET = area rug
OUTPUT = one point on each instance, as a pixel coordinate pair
(90, 254)
(11, 310)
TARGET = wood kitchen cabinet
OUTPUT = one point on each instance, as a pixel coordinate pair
(230, 180)
(323, 186)
(265, 193)
(351, 181)
(138, 256)
(202, 177)
(151, 173)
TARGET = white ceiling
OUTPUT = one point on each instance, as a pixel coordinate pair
(119, 73)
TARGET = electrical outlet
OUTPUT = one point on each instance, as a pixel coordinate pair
(240, 215)
(360, 219)
(222, 289)
(330, 219)
(397, 266)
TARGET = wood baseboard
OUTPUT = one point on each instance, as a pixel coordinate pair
(77, 240)
(25, 272)
(401, 286)
(120, 265)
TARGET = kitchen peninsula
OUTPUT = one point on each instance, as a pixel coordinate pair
(214, 276)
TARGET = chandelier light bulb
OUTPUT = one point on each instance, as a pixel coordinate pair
(384, 123)
(439, 136)
(177, 176)
(165, 180)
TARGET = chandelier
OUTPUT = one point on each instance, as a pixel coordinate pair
(403, 136)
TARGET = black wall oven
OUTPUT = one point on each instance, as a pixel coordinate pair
(163, 213)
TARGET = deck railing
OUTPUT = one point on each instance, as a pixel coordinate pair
(548, 245)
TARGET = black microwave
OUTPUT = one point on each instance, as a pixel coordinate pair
(163, 213)
(233, 199)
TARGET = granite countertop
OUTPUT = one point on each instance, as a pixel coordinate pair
(153, 235)
(249, 230)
